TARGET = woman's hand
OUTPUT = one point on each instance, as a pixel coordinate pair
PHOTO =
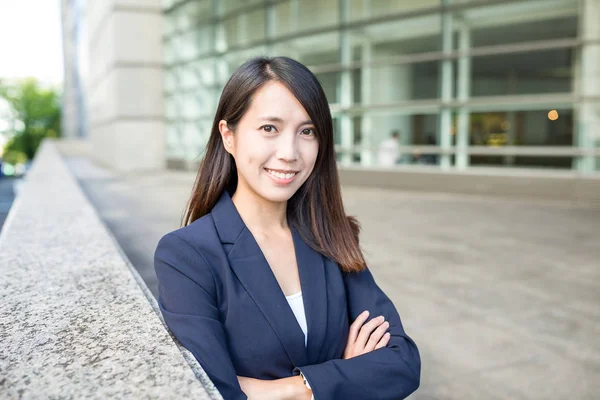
(291, 388)
(362, 339)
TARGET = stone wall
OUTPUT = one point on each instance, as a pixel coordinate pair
(76, 320)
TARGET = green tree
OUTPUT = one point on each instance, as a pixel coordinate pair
(36, 115)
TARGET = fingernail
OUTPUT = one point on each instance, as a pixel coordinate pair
(381, 318)
(366, 312)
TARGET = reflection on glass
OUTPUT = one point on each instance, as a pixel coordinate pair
(547, 71)
(314, 50)
(522, 21)
(390, 84)
(231, 6)
(304, 15)
(187, 16)
(375, 138)
(245, 28)
(189, 45)
(365, 9)
(521, 128)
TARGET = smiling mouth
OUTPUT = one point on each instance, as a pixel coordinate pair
(281, 175)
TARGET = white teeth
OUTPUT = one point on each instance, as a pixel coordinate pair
(281, 174)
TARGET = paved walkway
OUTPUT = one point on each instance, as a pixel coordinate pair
(502, 297)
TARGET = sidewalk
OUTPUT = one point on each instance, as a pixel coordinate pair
(501, 296)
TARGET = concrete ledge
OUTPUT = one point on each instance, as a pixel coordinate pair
(559, 186)
(76, 319)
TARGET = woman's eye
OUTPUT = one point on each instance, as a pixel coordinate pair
(268, 128)
(308, 131)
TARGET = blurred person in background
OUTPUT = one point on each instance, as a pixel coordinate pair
(266, 283)
(389, 151)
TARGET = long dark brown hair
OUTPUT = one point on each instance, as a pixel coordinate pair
(316, 209)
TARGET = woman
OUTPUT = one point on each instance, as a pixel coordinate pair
(265, 283)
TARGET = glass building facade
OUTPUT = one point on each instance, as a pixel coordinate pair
(467, 84)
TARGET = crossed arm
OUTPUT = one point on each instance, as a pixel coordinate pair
(388, 372)
(363, 338)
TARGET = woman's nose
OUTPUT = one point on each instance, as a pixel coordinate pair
(287, 147)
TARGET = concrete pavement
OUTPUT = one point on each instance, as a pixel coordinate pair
(501, 296)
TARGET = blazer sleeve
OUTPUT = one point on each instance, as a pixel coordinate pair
(391, 372)
(187, 300)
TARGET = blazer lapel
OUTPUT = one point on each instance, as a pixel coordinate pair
(252, 269)
(311, 269)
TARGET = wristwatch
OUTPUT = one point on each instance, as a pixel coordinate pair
(312, 397)
(305, 381)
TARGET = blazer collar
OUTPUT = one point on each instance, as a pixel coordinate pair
(252, 269)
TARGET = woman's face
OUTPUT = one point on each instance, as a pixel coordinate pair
(274, 145)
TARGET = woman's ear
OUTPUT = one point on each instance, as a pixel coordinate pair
(227, 137)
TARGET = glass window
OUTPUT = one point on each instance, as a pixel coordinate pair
(232, 60)
(188, 15)
(171, 107)
(314, 50)
(330, 82)
(245, 28)
(197, 73)
(523, 21)
(389, 84)
(393, 39)
(231, 6)
(549, 71)
(189, 45)
(522, 128)
(197, 103)
(170, 81)
(168, 3)
(373, 131)
(175, 148)
(297, 16)
(365, 9)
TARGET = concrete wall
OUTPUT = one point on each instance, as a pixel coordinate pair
(77, 321)
(125, 86)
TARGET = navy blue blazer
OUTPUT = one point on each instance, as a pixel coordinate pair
(221, 300)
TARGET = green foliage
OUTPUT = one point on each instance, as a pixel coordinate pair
(36, 115)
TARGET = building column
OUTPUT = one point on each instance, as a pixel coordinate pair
(464, 92)
(125, 87)
(366, 82)
(74, 118)
(445, 134)
(588, 121)
(345, 88)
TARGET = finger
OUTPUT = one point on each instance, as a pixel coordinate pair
(384, 341)
(376, 336)
(355, 327)
(366, 330)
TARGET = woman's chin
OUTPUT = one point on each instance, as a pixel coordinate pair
(277, 194)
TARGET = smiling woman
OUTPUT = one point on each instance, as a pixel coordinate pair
(266, 283)
(275, 140)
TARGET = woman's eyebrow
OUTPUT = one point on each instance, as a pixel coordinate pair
(271, 119)
(277, 119)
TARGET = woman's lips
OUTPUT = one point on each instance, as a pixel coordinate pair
(279, 179)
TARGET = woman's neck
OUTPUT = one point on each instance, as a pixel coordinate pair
(260, 215)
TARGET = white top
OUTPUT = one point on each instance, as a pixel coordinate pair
(297, 306)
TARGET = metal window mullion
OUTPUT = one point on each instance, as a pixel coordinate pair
(588, 131)
(366, 127)
(445, 122)
(463, 94)
(270, 26)
(345, 88)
